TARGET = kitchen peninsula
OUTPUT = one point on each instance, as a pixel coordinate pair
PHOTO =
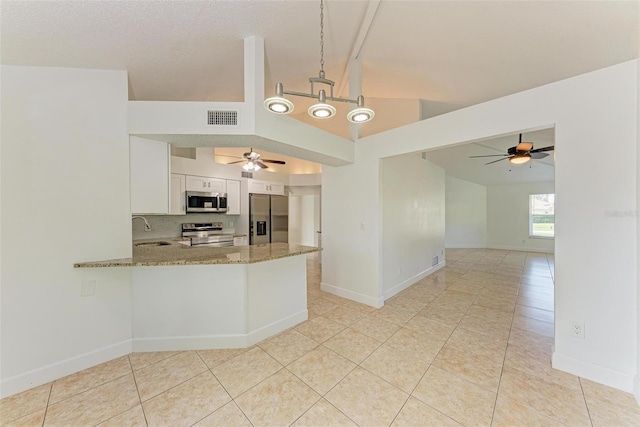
(187, 298)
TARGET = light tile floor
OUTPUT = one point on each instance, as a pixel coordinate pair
(468, 345)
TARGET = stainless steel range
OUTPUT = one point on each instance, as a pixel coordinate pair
(206, 234)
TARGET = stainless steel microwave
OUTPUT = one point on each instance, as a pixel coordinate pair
(198, 201)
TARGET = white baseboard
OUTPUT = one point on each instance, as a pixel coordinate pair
(63, 368)
(218, 341)
(470, 246)
(277, 327)
(600, 374)
(412, 280)
(353, 296)
(189, 343)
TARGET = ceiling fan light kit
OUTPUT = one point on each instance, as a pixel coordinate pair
(280, 105)
(250, 166)
(519, 159)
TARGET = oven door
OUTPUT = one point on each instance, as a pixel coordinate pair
(202, 202)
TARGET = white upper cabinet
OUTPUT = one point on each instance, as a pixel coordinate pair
(266, 187)
(178, 197)
(149, 172)
(233, 197)
(205, 184)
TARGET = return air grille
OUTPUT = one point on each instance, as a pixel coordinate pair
(222, 118)
(247, 174)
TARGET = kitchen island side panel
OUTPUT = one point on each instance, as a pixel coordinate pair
(189, 307)
(277, 296)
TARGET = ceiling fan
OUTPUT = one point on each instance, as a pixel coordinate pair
(254, 162)
(521, 153)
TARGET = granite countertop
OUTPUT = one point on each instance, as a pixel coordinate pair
(176, 253)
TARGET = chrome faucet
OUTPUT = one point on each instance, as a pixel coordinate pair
(147, 227)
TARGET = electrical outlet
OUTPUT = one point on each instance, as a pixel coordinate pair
(577, 329)
(230, 223)
(88, 288)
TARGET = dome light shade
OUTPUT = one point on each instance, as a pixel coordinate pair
(519, 159)
(360, 115)
(278, 105)
(322, 111)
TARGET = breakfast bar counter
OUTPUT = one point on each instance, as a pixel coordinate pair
(187, 298)
(172, 252)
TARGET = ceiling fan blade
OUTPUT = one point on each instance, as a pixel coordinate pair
(537, 155)
(490, 155)
(226, 155)
(538, 150)
(262, 165)
(524, 146)
(504, 158)
(279, 162)
(237, 161)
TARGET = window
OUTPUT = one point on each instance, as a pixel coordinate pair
(541, 215)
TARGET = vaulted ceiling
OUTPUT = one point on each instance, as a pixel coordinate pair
(448, 54)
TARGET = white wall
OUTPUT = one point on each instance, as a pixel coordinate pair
(595, 252)
(465, 214)
(413, 220)
(350, 229)
(508, 217)
(637, 379)
(65, 199)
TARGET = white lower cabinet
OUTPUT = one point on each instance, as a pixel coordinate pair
(240, 241)
(178, 194)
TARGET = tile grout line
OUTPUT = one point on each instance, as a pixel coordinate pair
(133, 374)
(504, 358)
(585, 400)
(46, 408)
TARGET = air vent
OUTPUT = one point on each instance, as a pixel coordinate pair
(222, 118)
(247, 174)
(435, 261)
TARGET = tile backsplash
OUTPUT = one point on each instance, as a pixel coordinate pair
(170, 225)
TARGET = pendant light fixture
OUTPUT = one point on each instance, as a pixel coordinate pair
(322, 110)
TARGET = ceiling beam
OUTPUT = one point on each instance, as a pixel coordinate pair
(365, 25)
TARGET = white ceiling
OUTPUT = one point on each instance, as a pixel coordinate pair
(448, 53)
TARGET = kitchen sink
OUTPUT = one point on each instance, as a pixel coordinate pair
(147, 244)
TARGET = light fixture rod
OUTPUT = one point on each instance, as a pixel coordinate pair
(314, 96)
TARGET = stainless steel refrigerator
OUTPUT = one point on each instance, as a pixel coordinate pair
(268, 219)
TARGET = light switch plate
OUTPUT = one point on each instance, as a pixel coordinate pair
(88, 288)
